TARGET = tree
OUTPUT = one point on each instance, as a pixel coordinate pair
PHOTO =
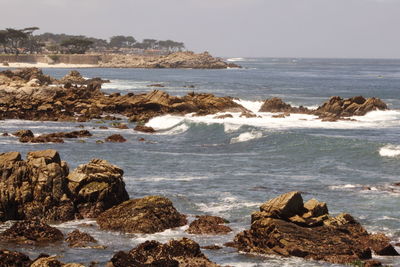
(150, 43)
(32, 43)
(120, 41)
(77, 45)
(14, 39)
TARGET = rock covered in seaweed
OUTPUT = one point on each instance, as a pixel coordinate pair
(79, 239)
(150, 214)
(14, 259)
(184, 253)
(41, 187)
(288, 227)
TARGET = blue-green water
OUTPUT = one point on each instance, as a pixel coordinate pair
(229, 167)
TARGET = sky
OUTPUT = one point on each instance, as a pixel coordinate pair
(227, 28)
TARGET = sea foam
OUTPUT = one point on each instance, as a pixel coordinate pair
(390, 151)
(247, 136)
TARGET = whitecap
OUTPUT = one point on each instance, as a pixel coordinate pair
(247, 136)
(235, 59)
(390, 151)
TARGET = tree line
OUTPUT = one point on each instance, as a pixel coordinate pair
(17, 41)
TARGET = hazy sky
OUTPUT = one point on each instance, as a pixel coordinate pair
(234, 28)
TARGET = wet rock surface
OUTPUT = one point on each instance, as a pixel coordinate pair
(115, 138)
(184, 252)
(209, 225)
(144, 129)
(31, 232)
(288, 227)
(145, 215)
(41, 187)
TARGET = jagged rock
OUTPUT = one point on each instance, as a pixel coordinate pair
(145, 129)
(355, 106)
(145, 215)
(54, 137)
(79, 239)
(208, 225)
(73, 77)
(96, 186)
(28, 74)
(225, 116)
(52, 261)
(119, 125)
(31, 232)
(14, 259)
(287, 227)
(41, 187)
(184, 253)
(115, 138)
(276, 104)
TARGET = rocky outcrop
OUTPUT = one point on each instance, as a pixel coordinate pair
(52, 261)
(332, 110)
(79, 239)
(41, 187)
(182, 60)
(33, 76)
(288, 227)
(183, 253)
(31, 232)
(52, 137)
(209, 225)
(14, 259)
(73, 77)
(145, 215)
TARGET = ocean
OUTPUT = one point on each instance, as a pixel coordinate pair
(228, 167)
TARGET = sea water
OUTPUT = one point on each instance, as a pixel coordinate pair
(228, 167)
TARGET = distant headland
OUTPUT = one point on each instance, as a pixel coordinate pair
(22, 48)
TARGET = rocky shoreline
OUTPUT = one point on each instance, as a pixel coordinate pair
(47, 191)
(28, 94)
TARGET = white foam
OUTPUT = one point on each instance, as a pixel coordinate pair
(253, 106)
(390, 151)
(235, 59)
(181, 179)
(247, 136)
(345, 186)
(225, 203)
(230, 128)
(125, 85)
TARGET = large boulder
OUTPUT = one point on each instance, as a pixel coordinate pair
(79, 239)
(276, 104)
(287, 227)
(144, 215)
(41, 187)
(96, 187)
(183, 253)
(73, 77)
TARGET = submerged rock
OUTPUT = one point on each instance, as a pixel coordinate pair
(287, 227)
(184, 253)
(41, 187)
(145, 129)
(209, 225)
(31, 232)
(145, 215)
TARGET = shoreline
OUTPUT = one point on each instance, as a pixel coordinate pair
(48, 66)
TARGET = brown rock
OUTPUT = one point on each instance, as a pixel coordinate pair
(183, 253)
(223, 116)
(308, 232)
(42, 188)
(79, 239)
(115, 138)
(209, 225)
(145, 129)
(73, 77)
(31, 232)
(14, 259)
(23, 133)
(145, 215)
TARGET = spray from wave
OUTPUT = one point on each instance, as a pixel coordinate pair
(247, 136)
(390, 151)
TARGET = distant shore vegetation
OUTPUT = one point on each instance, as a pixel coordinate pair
(25, 41)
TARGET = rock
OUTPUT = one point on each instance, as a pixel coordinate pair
(119, 125)
(23, 133)
(96, 186)
(287, 227)
(208, 225)
(225, 116)
(355, 106)
(183, 253)
(145, 215)
(275, 104)
(42, 187)
(156, 85)
(31, 232)
(52, 261)
(145, 129)
(115, 138)
(211, 247)
(73, 77)
(14, 259)
(79, 239)
(380, 244)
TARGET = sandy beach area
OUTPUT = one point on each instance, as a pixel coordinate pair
(46, 65)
